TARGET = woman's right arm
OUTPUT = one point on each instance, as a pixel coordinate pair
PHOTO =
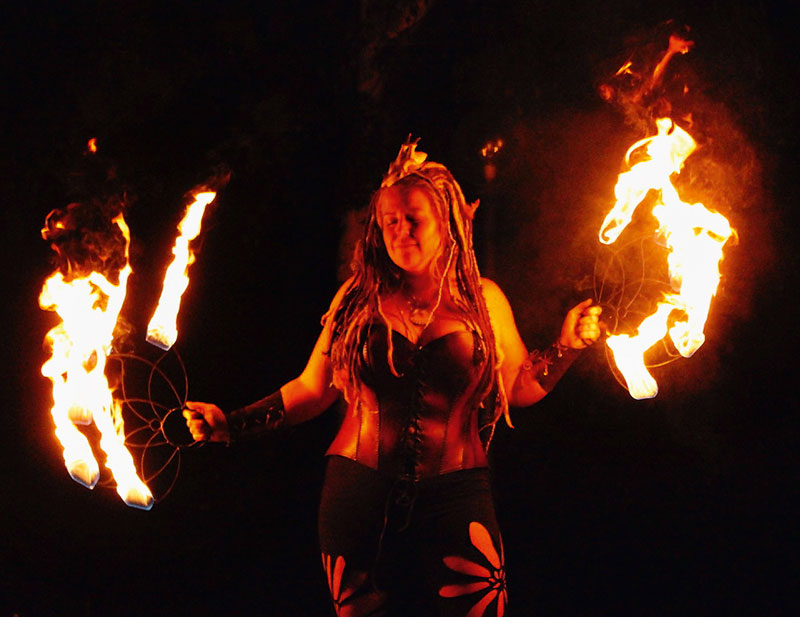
(302, 398)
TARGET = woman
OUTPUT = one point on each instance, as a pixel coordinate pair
(428, 358)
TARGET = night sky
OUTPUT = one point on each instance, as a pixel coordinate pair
(685, 504)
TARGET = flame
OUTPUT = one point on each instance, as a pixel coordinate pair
(91, 146)
(625, 69)
(694, 237)
(491, 148)
(163, 329)
(677, 45)
(89, 307)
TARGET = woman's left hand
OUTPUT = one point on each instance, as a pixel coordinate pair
(581, 327)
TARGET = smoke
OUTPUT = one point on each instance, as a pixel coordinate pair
(558, 185)
(85, 238)
(549, 206)
(726, 172)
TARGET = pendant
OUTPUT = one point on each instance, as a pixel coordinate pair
(419, 316)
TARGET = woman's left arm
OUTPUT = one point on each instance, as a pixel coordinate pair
(528, 377)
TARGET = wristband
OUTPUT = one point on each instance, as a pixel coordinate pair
(257, 418)
(551, 364)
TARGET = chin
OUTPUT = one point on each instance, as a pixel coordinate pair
(407, 263)
(415, 269)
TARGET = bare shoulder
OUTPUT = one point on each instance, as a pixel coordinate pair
(495, 298)
(337, 299)
(343, 289)
(505, 329)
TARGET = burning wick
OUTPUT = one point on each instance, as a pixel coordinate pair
(89, 308)
(163, 330)
(694, 237)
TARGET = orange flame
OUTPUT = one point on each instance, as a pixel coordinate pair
(89, 308)
(694, 236)
(625, 69)
(677, 45)
(163, 329)
(491, 148)
(91, 146)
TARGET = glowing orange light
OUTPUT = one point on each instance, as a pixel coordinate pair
(491, 148)
(625, 68)
(92, 145)
(694, 236)
(89, 307)
(677, 45)
(163, 329)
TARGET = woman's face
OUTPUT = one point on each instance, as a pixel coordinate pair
(411, 228)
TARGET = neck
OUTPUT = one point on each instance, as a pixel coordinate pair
(420, 287)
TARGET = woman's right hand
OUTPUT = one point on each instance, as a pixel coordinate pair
(206, 422)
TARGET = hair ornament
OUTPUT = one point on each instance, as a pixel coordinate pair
(408, 161)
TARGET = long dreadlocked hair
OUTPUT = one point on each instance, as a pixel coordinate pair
(374, 274)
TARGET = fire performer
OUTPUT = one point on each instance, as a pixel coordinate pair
(428, 358)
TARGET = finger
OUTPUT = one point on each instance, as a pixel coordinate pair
(197, 426)
(591, 312)
(590, 332)
(589, 329)
(197, 407)
(200, 435)
(589, 322)
(191, 414)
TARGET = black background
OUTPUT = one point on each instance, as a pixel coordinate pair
(681, 505)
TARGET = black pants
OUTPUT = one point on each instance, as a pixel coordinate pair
(430, 549)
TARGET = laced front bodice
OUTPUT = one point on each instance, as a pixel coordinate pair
(421, 423)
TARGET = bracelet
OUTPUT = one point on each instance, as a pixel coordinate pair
(257, 418)
(551, 364)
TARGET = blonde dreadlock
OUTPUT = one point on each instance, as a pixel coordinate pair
(374, 275)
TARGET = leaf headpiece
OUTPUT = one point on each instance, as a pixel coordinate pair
(409, 161)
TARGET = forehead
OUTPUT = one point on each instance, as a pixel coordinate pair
(413, 200)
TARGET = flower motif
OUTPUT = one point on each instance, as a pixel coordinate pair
(340, 593)
(492, 579)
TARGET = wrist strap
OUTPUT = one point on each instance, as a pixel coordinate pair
(549, 366)
(257, 418)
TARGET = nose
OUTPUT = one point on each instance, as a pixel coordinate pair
(404, 228)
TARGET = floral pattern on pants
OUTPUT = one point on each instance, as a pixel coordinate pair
(490, 577)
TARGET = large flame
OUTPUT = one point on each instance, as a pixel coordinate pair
(163, 329)
(89, 307)
(694, 236)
